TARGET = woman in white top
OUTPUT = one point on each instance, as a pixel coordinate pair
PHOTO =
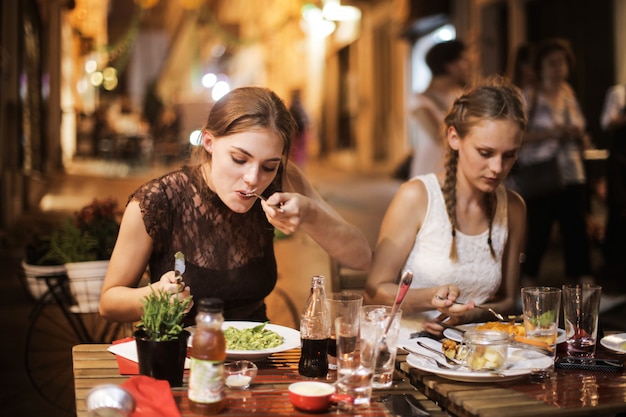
(460, 232)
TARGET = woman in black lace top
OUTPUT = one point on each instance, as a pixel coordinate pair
(206, 211)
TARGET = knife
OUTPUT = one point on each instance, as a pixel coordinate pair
(179, 266)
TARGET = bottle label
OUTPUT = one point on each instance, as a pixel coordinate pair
(206, 381)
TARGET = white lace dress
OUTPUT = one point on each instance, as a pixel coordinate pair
(476, 273)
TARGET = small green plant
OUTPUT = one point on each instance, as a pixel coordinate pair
(162, 318)
(89, 236)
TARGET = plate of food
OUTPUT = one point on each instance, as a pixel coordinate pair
(615, 342)
(511, 328)
(519, 362)
(252, 340)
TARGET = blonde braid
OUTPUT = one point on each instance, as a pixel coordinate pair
(449, 195)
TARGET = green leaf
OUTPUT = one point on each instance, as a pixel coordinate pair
(163, 315)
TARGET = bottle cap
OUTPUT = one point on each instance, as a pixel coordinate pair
(318, 279)
(211, 305)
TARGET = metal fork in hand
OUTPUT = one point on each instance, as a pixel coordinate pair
(278, 206)
(491, 310)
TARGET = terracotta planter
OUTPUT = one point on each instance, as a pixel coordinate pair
(163, 359)
(86, 284)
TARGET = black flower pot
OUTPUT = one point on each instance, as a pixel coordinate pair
(162, 359)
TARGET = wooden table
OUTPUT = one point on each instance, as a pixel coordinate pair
(94, 365)
(565, 393)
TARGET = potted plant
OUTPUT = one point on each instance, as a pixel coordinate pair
(38, 270)
(89, 236)
(161, 339)
(84, 245)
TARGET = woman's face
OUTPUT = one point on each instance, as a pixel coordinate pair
(554, 66)
(487, 153)
(242, 163)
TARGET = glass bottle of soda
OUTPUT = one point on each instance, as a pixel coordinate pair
(315, 332)
(208, 352)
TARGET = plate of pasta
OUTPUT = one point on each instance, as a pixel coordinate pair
(511, 328)
(254, 341)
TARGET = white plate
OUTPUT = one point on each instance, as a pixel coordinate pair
(291, 340)
(458, 337)
(616, 342)
(521, 362)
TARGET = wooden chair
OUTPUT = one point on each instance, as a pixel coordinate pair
(343, 278)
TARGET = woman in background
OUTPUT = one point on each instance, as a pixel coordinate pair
(556, 128)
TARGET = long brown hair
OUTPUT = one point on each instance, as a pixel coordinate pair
(248, 108)
(494, 99)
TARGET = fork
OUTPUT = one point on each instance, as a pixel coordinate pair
(450, 361)
(278, 206)
(440, 365)
(491, 310)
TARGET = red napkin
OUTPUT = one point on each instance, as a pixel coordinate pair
(153, 397)
(126, 366)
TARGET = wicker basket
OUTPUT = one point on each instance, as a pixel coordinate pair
(36, 277)
(86, 284)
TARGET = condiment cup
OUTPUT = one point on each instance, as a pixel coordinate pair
(486, 349)
(239, 374)
(314, 396)
(109, 400)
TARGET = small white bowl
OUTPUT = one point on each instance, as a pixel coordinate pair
(239, 374)
(110, 400)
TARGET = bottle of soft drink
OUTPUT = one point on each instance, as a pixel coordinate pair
(315, 332)
(208, 352)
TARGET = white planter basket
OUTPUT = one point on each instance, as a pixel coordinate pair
(35, 277)
(86, 284)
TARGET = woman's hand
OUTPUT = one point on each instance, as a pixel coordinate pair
(286, 211)
(570, 133)
(445, 298)
(173, 284)
(434, 328)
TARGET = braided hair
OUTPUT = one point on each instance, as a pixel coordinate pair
(494, 99)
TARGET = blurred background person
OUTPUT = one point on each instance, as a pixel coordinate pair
(613, 121)
(523, 73)
(449, 64)
(298, 153)
(556, 128)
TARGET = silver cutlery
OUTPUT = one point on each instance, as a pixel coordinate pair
(450, 361)
(510, 317)
(403, 288)
(278, 206)
(179, 266)
(440, 365)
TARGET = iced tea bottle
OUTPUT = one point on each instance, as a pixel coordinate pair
(208, 352)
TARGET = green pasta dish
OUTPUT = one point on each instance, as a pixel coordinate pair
(252, 338)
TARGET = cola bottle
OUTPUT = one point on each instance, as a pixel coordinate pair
(315, 332)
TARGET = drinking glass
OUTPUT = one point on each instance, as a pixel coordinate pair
(541, 307)
(347, 334)
(581, 304)
(356, 387)
(341, 304)
(374, 319)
